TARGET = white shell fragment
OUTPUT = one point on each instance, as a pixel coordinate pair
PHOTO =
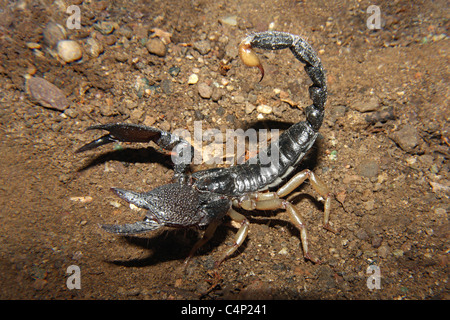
(46, 93)
(69, 50)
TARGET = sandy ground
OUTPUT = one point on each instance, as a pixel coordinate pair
(383, 149)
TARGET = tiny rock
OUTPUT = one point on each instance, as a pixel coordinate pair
(53, 33)
(39, 284)
(217, 94)
(85, 199)
(249, 108)
(69, 50)
(264, 109)
(440, 187)
(202, 46)
(368, 168)
(105, 27)
(46, 93)
(156, 46)
(373, 104)
(204, 90)
(161, 34)
(407, 138)
(93, 47)
(361, 234)
(193, 79)
(383, 251)
(239, 98)
(230, 20)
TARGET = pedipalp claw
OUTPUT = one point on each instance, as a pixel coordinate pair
(122, 132)
(136, 198)
(128, 132)
(96, 143)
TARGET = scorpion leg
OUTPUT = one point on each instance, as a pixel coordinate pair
(240, 235)
(318, 185)
(209, 232)
(239, 238)
(270, 201)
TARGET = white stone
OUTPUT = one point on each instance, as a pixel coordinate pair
(69, 50)
(264, 109)
(193, 79)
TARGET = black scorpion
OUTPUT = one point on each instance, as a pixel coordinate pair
(203, 198)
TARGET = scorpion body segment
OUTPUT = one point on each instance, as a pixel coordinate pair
(204, 197)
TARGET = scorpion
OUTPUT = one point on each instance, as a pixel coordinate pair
(203, 198)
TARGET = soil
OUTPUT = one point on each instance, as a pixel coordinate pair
(383, 149)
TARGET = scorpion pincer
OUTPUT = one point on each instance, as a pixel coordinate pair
(203, 198)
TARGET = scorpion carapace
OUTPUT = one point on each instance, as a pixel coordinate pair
(203, 198)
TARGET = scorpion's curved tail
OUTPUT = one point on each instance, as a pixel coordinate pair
(275, 40)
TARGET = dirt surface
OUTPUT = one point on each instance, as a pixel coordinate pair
(383, 149)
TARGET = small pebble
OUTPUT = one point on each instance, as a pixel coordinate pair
(33, 45)
(230, 20)
(217, 94)
(373, 104)
(381, 115)
(407, 138)
(361, 234)
(204, 90)
(249, 108)
(369, 205)
(202, 46)
(239, 98)
(93, 47)
(383, 251)
(439, 187)
(126, 32)
(174, 71)
(121, 56)
(142, 85)
(105, 27)
(166, 86)
(77, 255)
(69, 50)
(376, 241)
(39, 284)
(368, 168)
(156, 46)
(264, 109)
(397, 253)
(46, 93)
(53, 33)
(109, 40)
(193, 79)
(149, 121)
(86, 199)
